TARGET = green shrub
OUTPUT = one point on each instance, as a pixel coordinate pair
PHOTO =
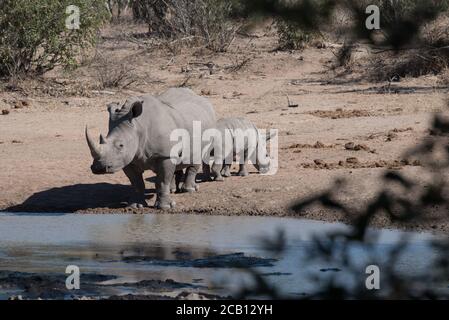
(34, 37)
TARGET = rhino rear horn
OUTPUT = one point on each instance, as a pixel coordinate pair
(95, 149)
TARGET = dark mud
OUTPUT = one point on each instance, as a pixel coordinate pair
(33, 286)
(49, 286)
(168, 285)
(233, 260)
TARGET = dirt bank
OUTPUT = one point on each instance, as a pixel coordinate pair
(346, 127)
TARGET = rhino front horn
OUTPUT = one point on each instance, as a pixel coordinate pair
(95, 149)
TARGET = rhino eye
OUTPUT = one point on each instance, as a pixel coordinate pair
(117, 110)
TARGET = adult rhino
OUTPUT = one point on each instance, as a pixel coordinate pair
(139, 140)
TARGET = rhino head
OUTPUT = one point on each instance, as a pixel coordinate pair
(119, 147)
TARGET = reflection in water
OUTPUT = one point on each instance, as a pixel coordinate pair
(185, 248)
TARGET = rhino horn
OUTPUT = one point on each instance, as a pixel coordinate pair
(95, 149)
(102, 139)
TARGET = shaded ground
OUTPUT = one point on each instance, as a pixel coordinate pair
(44, 160)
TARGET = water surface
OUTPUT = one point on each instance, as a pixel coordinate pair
(192, 249)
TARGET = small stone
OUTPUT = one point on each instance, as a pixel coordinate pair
(352, 160)
(319, 162)
(5, 112)
(350, 146)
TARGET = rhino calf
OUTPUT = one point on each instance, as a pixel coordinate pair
(226, 152)
(139, 140)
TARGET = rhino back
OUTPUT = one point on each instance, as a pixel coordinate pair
(189, 106)
(176, 108)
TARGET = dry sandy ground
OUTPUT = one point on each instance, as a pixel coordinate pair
(45, 162)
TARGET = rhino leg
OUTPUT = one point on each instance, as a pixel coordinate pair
(207, 174)
(226, 172)
(190, 177)
(216, 170)
(135, 177)
(176, 181)
(243, 172)
(164, 177)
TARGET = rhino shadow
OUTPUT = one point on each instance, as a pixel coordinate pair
(76, 197)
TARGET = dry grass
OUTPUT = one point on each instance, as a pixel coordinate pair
(111, 74)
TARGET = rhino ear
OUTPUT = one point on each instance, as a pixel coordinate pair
(112, 107)
(136, 109)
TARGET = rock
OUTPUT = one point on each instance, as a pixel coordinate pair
(356, 147)
(5, 112)
(352, 160)
(350, 146)
(19, 104)
(319, 162)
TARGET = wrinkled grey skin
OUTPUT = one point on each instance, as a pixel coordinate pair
(222, 168)
(139, 140)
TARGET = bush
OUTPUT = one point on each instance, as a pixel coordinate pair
(205, 20)
(291, 36)
(114, 74)
(34, 37)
